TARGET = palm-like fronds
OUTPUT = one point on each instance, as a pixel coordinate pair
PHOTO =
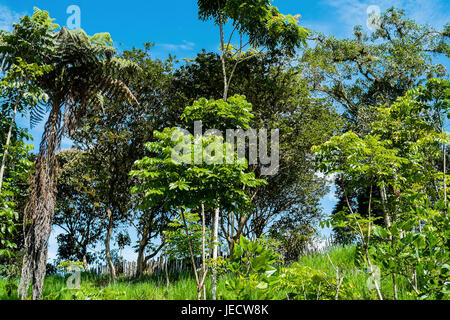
(84, 70)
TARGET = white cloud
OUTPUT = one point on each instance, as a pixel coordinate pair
(186, 46)
(331, 196)
(318, 26)
(349, 12)
(354, 12)
(8, 17)
(434, 13)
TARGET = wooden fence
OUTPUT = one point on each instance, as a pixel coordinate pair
(319, 246)
(153, 267)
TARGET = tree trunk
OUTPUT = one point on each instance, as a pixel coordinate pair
(222, 59)
(444, 151)
(85, 263)
(167, 274)
(203, 249)
(394, 282)
(39, 211)
(387, 220)
(377, 285)
(198, 281)
(215, 252)
(8, 140)
(112, 268)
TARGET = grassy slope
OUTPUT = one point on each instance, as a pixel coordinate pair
(343, 258)
(183, 287)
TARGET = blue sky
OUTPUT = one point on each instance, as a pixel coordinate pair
(175, 28)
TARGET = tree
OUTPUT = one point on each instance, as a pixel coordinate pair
(14, 191)
(71, 91)
(264, 26)
(105, 140)
(112, 137)
(399, 157)
(18, 92)
(280, 99)
(375, 69)
(258, 20)
(78, 211)
(151, 89)
(371, 70)
(176, 237)
(198, 179)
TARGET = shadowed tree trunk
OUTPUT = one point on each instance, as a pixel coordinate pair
(108, 246)
(215, 253)
(140, 261)
(85, 263)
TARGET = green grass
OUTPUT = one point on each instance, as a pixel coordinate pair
(183, 287)
(343, 258)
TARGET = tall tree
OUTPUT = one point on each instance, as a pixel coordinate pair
(71, 91)
(370, 70)
(259, 25)
(399, 153)
(113, 136)
(280, 99)
(184, 183)
(78, 211)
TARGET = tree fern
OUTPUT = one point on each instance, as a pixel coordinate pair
(83, 71)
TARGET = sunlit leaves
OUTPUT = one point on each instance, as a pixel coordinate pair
(190, 177)
(263, 23)
(235, 113)
(401, 156)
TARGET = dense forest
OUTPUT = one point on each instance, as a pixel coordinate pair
(237, 215)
